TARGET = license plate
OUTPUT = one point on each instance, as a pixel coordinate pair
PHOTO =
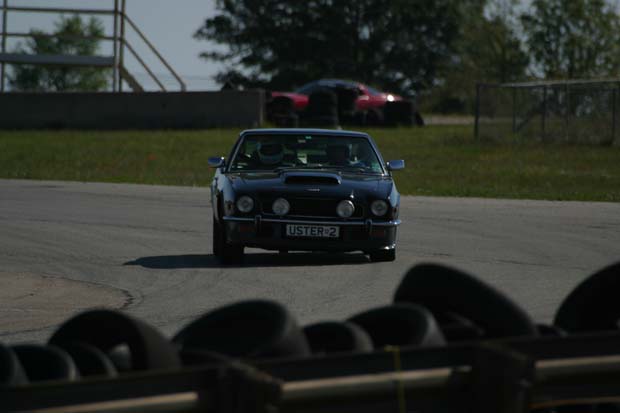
(312, 231)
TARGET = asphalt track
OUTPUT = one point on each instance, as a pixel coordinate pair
(66, 246)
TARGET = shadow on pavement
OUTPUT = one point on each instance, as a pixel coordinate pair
(251, 260)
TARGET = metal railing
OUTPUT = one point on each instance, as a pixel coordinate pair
(497, 376)
(118, 38)
(578, 111)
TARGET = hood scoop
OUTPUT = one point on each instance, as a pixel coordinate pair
(311, 178)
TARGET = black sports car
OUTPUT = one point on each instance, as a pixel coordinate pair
(304, 189)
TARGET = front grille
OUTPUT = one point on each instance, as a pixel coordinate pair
(310, 207)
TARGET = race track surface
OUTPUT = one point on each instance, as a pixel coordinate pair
(66, 246)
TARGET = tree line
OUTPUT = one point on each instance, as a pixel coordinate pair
(436, 48)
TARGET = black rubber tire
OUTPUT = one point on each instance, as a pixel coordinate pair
(89, 360)
(550, 330)
(217, 239)
(419, 120)
(232, 254)
(374, 117)
(109, 329)
(42, 363)
(400, 324)
(593, 305)
(11, 371)
(458, 328)
(228, 254)
(382, 255)
(329, 337)
(252, 329)
(443, 289)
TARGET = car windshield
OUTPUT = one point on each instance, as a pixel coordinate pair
(277, 152)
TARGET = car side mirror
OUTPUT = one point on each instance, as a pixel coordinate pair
(216, 161)
(396, 165)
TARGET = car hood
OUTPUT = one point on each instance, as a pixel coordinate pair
(313, 183)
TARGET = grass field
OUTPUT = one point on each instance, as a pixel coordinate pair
(441, 160)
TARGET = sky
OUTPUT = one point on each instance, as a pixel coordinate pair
(168, 24)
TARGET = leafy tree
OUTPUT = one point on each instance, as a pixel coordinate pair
(488, 49)
(74, 37)
(396, 44)
(573, 38)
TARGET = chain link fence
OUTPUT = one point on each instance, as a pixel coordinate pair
(569, 111)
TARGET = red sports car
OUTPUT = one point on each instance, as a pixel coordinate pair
(368, 97)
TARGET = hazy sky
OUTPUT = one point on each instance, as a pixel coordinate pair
(168, 24)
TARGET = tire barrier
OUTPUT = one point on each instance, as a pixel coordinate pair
(443, 289)
(281, 112)
(347, 105)
(434, 306)
(593, 305)
(402, 113)
(399, 113)
(11, 371)
(335, 106)
(400, 325)
(322, 110)
(249, 329)
(44, 363)
(89, 360)
(337, 337)
(109, 331)
(457, 328)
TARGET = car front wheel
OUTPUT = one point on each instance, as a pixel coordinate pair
(225, 252)
(383, 255)
(217, 239)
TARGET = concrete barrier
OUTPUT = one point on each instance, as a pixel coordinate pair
(148, 110)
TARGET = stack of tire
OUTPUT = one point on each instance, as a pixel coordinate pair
(322, 110)
(402, 113)
(281, 112)
(433, 305)
(347, 106)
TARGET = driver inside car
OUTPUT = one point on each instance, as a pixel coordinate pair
(270, 154)
(338, 155)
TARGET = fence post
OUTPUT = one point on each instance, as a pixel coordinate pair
(544, 112)
(614, 107)
(566, 112)
(121, 51)
(2, 65)
(514, 110)
(477, 118)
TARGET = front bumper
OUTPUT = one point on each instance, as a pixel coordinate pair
(270, 234)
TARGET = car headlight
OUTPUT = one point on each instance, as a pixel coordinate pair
(345, 209)
(281, 206)
(379, 207)
(245, 204)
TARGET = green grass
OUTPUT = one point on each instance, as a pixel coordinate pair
(441, 160)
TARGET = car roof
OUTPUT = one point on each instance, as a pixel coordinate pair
(335, 83)
(304, 131)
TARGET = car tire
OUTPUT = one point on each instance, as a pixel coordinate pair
(232, 254)
(252, 329)
(382, 255)
(217, 238)
(592, 305)
(400, 324)
(227, 253)
(444, 289)
(374, 117)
